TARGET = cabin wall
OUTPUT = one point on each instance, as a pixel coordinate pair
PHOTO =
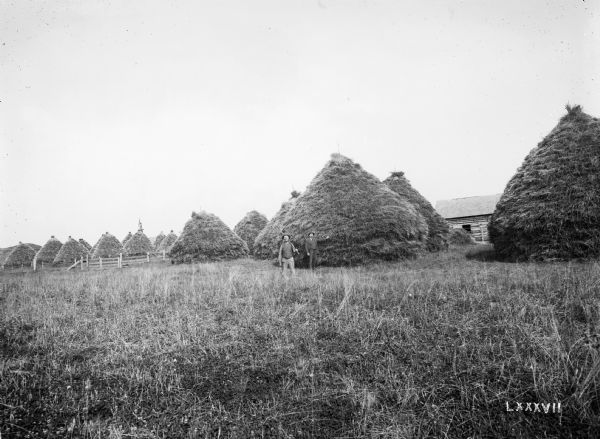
(478, 224)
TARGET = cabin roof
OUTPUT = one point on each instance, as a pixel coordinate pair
(468, 206)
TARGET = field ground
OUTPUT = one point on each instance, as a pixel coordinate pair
(434, 347)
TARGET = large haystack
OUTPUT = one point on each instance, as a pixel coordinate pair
(48, 251)
(167, 242)
(127, 238)
(266, 244)
(250, 226)
(85, 244)
(138, 244)
(70, 251)
(156, 241)
(437, 237)
(107, 247)
(364, 219)
(550, 209)
(20, 255)
(206, 238)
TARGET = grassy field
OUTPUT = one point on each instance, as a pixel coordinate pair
(434, 347)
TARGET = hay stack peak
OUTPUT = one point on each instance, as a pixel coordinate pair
(550, 208)
(48, 251)
(107, 247)
(70, 251)
(138, 244)
(437, 237)
(127, 238)
(363, 218)
(20, 255)
(250, 226)
(206, 238)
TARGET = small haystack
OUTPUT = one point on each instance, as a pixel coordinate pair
(206, 238)
(107, 247)
(127, 238)
(156, 241)
(70, 251)
(85, 244)
(250, 226)
(167, 242)
(550, 208)
(48, 251)
(138, 244)
(20, 255)
(266, 244)
(364, 219)
(460, 237)
(437, 237)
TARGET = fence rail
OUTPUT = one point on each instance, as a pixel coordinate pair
(117, 262)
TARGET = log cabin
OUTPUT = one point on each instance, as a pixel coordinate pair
(470, 213)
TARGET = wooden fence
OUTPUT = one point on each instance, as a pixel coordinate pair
(118, 261)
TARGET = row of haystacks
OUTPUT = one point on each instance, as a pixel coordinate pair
(550, 209)
(358, 218)
(438, 229)
(250, 226)
(206, 238)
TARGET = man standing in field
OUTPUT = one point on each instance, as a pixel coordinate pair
(286, 255)
(312, 249)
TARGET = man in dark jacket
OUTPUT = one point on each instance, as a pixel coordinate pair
(312, 249)
(286, 255)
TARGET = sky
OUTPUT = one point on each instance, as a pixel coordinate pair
(114, 111)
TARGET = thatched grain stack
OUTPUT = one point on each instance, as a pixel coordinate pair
(85, 244)
(48, 251)
(20, 255)
(550, 208)
(156, 241)
(250, 226)
(138, 244)
(70, 251)
(206, 238)
(127, 238)
(364, 219)
(266, 244)
(437, 237)
(107, 247)
(460, 237)
(167, 242)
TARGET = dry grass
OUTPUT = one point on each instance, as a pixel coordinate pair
(433, 347)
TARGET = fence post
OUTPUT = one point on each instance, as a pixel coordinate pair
(120, 263)
(34, 262)
(100, 262)
(164, 255)
(87, 261)
(147, 257)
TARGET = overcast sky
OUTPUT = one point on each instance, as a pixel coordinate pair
(112, 111)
